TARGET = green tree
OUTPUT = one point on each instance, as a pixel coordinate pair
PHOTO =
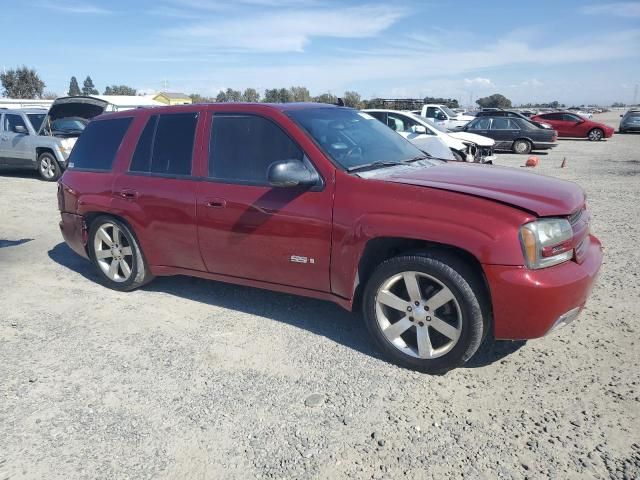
(299, 94)
(494, 101)
(233, 95)
(271, 95)
(88, 88)
(352, 99)
(50, 95)
(197, 98)
(74, 89)
(22, 82)
(119, 90)
(221, 97)
(326, 98)
(250, 95)
(284, 95)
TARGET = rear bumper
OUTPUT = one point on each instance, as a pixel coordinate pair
(530, 303)
(74, 232)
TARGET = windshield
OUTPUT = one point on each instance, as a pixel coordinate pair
(449, 112)
(36, 120)
(68, 125)
(353, 139)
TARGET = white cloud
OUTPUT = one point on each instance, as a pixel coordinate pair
(478, 81)
(76, 7)
(288, 31)
(618, 9)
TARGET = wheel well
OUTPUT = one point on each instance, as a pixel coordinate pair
(41, 150)
(378, 250)
(90, 217)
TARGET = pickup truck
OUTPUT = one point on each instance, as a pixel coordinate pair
(327, 202)
(42, 140)
(444, 116)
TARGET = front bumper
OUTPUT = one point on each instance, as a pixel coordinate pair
(530, 303)
(631, 127)
(74, 232)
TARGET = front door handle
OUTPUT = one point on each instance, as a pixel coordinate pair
(128, 194)
(216, 203)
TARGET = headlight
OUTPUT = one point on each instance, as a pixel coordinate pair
(546, 242)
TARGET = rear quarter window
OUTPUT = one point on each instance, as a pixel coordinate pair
(97, 146)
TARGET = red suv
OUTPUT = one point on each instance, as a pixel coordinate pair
(569, 124)
(327, 202)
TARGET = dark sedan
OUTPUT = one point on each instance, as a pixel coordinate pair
(512, 114)
(515, 134)
(630, 122)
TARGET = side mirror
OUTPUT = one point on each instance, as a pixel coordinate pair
(291, 173)
(419, 129)
(20, 129)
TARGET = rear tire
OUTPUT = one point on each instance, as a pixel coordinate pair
(116, 254)
(595, 135)
(48, 167)
(423, 313)
(522, 146)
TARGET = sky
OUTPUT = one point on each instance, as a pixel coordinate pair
(576, 52)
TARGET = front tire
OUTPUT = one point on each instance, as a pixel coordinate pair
(595, 135)
(423, 313)
(48, 167)
(116, 254)
(522, 146)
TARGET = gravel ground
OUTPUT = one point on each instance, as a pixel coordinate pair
(188, 378)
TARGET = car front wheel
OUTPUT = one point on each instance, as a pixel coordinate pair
(522, 146)
(595, 135)
(423, 313)
(48, 167)
(116, 254)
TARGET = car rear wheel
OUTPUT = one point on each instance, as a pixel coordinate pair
(522, 146)
(48, 167)
(116, 254)
(595, 135)
(423, 313)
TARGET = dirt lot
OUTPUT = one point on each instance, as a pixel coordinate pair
(189, 378)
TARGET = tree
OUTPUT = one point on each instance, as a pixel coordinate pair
(284, 95)
(299, 94)
(618, 105)
(326, 98)
(494, 101)
(119, 90)
(271, 95)
(50, 95)
(352, 99)
(197, 98)
(74, 89)
(250, 95)
(447, 102)
(88, 88)
(22, 82)
(233, 95)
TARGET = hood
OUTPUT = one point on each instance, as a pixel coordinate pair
(83, 107)
(431, 144)
(472, 137)
(544, 196)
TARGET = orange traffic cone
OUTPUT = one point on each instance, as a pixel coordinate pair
(532, 161)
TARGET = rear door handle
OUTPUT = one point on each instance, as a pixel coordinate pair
(128, 194)
(216, 203)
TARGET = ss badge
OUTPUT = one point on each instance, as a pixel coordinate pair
(300, 259)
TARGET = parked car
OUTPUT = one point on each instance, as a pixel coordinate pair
(630, 122)
(512, 114)
(444, 116)
(326, 202)
(569, 124)
(515, 134)
(42, 140)
(465, 146)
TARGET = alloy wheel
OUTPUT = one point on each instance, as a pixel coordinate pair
(47, 167)
(418, 315)
(595, 135)
(113, 252)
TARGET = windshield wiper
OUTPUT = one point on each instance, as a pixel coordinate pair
(371, 166)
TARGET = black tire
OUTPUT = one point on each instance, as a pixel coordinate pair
(595, 135)
(457, 156)
(139, 273)
(48, 167)
(522, 146)
(461, 282)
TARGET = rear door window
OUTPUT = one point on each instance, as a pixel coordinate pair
(166, 145)
(97, 146)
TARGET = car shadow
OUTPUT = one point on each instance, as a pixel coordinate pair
(18, 173)
(319, 317)
(4, 243)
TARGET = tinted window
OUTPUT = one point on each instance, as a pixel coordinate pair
(97, 146)
(552, 116)
(481, 123)
(11, 121)
(166, 145)
(569, 117)
(243, 147)
(379, 115)
(500, 123)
